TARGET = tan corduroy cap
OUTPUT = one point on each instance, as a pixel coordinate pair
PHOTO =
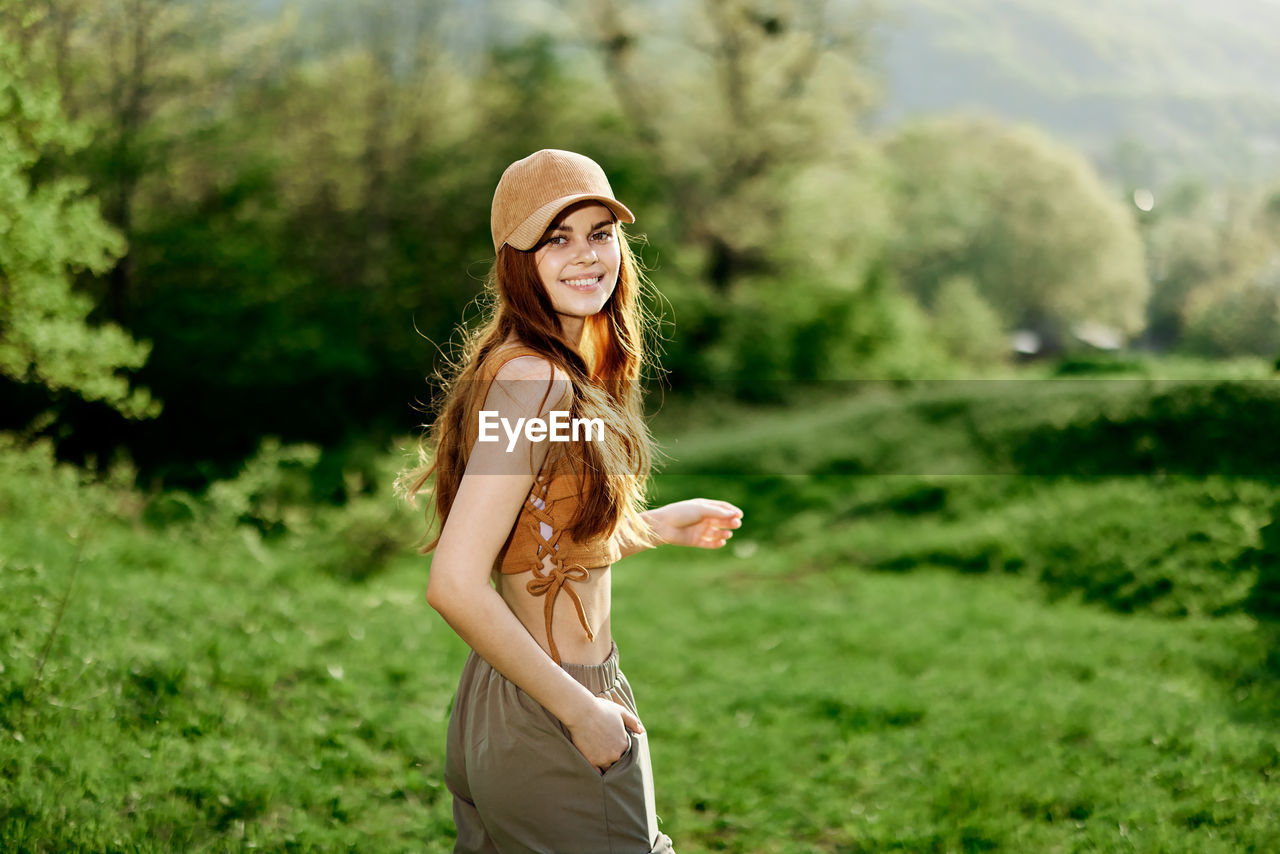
(533, 190)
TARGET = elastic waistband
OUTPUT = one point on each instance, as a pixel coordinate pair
(596, 678)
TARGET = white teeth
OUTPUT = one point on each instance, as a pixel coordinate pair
(581, 283)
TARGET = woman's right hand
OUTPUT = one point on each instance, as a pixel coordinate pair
(600, 734)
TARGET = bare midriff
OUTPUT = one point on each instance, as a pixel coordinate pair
(572, 641)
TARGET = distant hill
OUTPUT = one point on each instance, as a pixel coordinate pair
(1150, 89)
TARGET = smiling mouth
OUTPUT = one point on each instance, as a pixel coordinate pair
(585, 283)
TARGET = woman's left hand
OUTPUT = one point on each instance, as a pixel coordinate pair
(700, 522)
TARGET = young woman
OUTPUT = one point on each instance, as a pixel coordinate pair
(546, 751)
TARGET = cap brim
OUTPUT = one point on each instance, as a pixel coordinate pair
(527, 234)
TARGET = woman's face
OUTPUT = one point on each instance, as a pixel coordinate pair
(578, 261)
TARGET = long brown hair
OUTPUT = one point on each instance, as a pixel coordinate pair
(606, 374)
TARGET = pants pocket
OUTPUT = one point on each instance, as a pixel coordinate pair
(621, 797)
(623, 762)
(628, 796)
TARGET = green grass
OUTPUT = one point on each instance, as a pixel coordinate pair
(837, 710)
(909, 662)
(209, 689)
(828, 709)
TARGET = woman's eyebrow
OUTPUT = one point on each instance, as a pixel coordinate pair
(560, 226)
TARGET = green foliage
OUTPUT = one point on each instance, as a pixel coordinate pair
(1027, 219)
(207, 688)
(765, 345)
(1059, 480)
(864, 671)
(329, 212)
(52, 230)
(272, 491)
(1264, 599)
(968, 328)
(160, 646)
(769, 208)
(1099, 364)
(197, 686)
(1183, 254)
(1107, 542)
(1213, 267)
(305, 197)
(1242, 322)
(276, 496)
(1193, 428)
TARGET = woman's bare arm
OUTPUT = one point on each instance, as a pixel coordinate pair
(489, 499)
(699, 522)
(630, 545)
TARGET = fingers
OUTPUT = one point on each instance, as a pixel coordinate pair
(716, 537)
(599, 739)
(723, 514)
(719, 512)
(715, 507)
(632, 722)
(724, 507)
(724, 517)
(706, 523)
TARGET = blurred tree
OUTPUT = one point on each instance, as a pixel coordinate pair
(304, 199)
(292, 285)
(746, 114)
(1214, 261)
(968, 329)
(159, 85)
(1240, 322)
(1182, 255)
(153, 79)
(52, 229)
(1026, 218)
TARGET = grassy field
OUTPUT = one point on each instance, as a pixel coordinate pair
(894, 655)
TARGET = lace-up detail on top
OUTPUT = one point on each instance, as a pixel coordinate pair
(541, 530)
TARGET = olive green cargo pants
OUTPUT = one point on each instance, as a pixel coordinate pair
(519, 784)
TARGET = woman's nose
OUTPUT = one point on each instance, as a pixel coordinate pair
(587, 254)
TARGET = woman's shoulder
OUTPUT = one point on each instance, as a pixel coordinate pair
(514, 360)
(526, 373)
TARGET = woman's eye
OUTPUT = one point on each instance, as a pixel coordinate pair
(603, 235)
(556, 241)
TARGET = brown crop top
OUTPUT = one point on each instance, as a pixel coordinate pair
(542, 526)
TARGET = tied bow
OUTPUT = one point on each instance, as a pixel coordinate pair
(550, 584)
